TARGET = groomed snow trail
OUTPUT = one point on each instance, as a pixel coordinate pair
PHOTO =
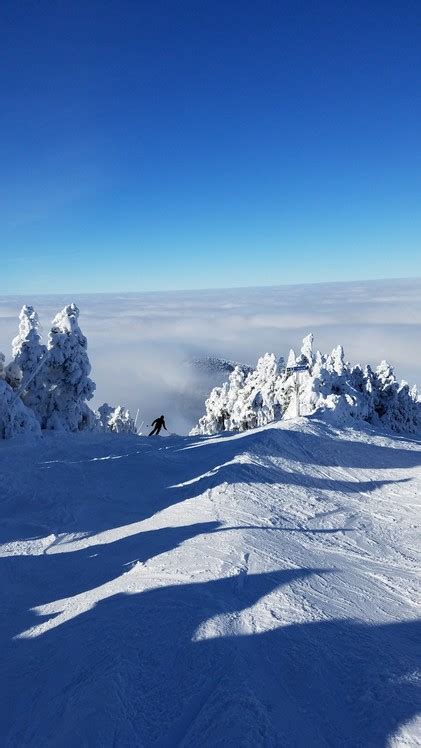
(248, 590)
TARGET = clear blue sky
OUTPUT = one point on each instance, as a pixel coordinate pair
(198, 144)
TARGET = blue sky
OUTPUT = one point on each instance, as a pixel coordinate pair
(171, 145)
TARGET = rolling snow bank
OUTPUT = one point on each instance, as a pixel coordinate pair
(330, 384)
(251, 589)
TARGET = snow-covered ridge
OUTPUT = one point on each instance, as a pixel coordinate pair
(252, 589)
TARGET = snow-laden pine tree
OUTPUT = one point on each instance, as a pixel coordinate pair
(351, 393)
(10, 373)
(67, 375)
(117, 420)
(306, 354)
(15, 417)
(244, 402)
(28, 354)
(285, 386)
(13, 375)
(395, 405)
(219, 405)
(257, 403)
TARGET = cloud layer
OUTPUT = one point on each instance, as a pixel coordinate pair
(139, 343)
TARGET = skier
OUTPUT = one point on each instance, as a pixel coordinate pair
(157, 424)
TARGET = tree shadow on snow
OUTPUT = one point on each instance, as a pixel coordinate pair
(188, 664)
(30, 581)
(95, 493)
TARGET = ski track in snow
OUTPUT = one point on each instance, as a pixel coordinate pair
(259, 589)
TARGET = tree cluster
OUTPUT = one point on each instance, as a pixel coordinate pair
(328, 385)
(47, 386)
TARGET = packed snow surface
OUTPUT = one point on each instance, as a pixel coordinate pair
(257, 589)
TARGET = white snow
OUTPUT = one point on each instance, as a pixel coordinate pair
(256, 589)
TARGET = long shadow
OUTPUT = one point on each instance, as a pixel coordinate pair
(122, 672)
(325, 447)
(129, 484)
(31, 581)
(148, 670)
(274, 475)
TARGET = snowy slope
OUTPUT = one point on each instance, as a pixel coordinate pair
(251, 590)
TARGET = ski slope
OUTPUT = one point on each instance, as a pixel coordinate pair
(259, 589)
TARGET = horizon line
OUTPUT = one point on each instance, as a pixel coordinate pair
(212, 288)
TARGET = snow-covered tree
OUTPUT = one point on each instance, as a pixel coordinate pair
(329, 384)
(306, 354)
(67, 379)
(28, 353)
(218, 405)
(118, 420)
(291, 361)
(258, 404)
(48, 386)
(13, 375)
(243, 402)
(15, 417)
(10, 373)
(281, 365)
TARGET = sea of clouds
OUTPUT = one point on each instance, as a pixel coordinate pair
(140, 344)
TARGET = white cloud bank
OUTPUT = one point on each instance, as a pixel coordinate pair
(138, 343)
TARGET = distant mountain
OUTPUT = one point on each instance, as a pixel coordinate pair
(212, 365)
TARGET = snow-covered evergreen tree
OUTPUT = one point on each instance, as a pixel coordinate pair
(28, 353)
(118, 420)
(15, 417)
(243, 402)
(10, 373)
(257, 404)
(52, 383)
(329, 384)
(281, 365)
(219, 405)
(13, 375)
(291, 360)
(68, 369)
(306, 354)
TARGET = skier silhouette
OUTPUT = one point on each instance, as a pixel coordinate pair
(157, 424)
